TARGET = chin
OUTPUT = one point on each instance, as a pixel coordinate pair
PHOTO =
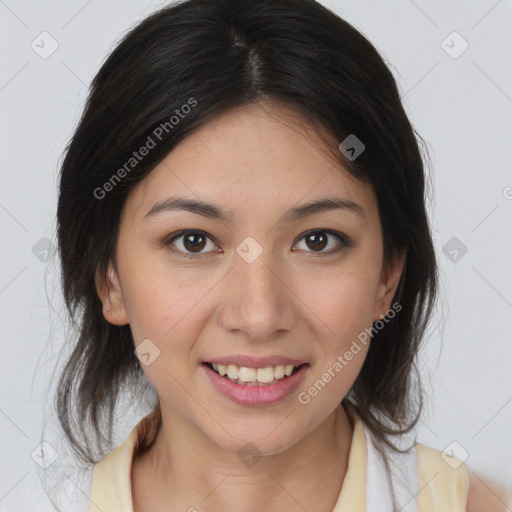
(250, 442)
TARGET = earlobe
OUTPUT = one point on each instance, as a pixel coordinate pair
(110, 294)
(390, 277)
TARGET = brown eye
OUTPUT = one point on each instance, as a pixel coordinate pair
(318, 240)
(190, 244)
(194, 242)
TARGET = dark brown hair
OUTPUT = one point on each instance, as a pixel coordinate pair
(223, 54)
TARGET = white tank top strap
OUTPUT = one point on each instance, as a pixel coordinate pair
(404, 477)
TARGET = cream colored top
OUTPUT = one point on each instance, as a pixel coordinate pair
(423, 480)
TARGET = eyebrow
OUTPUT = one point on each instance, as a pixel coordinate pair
(212, 211)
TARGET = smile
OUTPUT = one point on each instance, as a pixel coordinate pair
(242, 389)
(244, 375)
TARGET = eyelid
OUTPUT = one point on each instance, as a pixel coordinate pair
(174, 236)
(345, 241)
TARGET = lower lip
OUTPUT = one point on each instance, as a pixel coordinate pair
(256, 395)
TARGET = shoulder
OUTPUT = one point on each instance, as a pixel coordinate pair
(442, 467)
(486, 496)
(443, 474)
(443, 480)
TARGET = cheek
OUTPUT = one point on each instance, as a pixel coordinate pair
(344, 301)
(343, 343)
(165, 311)
(159, 300)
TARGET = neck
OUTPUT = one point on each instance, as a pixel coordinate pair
(185, 467)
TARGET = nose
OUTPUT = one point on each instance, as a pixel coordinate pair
(257, 300)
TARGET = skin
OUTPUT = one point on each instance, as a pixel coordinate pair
(295, 299)
(486, 496)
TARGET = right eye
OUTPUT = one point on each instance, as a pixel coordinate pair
(191, 240)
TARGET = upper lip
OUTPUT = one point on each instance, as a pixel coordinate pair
(256, 362)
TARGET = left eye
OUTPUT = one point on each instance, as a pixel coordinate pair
(195, 242)
(319, 239)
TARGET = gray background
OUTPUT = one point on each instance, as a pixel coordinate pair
(462, 106)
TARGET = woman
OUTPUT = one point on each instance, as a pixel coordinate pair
(242, 225)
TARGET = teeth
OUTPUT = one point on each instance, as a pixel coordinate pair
(244, 374)
(232, 371)
(263, 375)
(288, 369)
(249, 374)
(279, 371)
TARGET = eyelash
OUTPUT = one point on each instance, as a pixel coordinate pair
(345, 242)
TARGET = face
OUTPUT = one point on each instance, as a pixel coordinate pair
(258, 282)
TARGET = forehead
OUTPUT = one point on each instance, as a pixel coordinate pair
(251, 161)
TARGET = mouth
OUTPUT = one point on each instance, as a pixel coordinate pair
(260, 377)
(255, 386)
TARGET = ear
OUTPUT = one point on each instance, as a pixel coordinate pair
(389, 279)
(110, 294)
